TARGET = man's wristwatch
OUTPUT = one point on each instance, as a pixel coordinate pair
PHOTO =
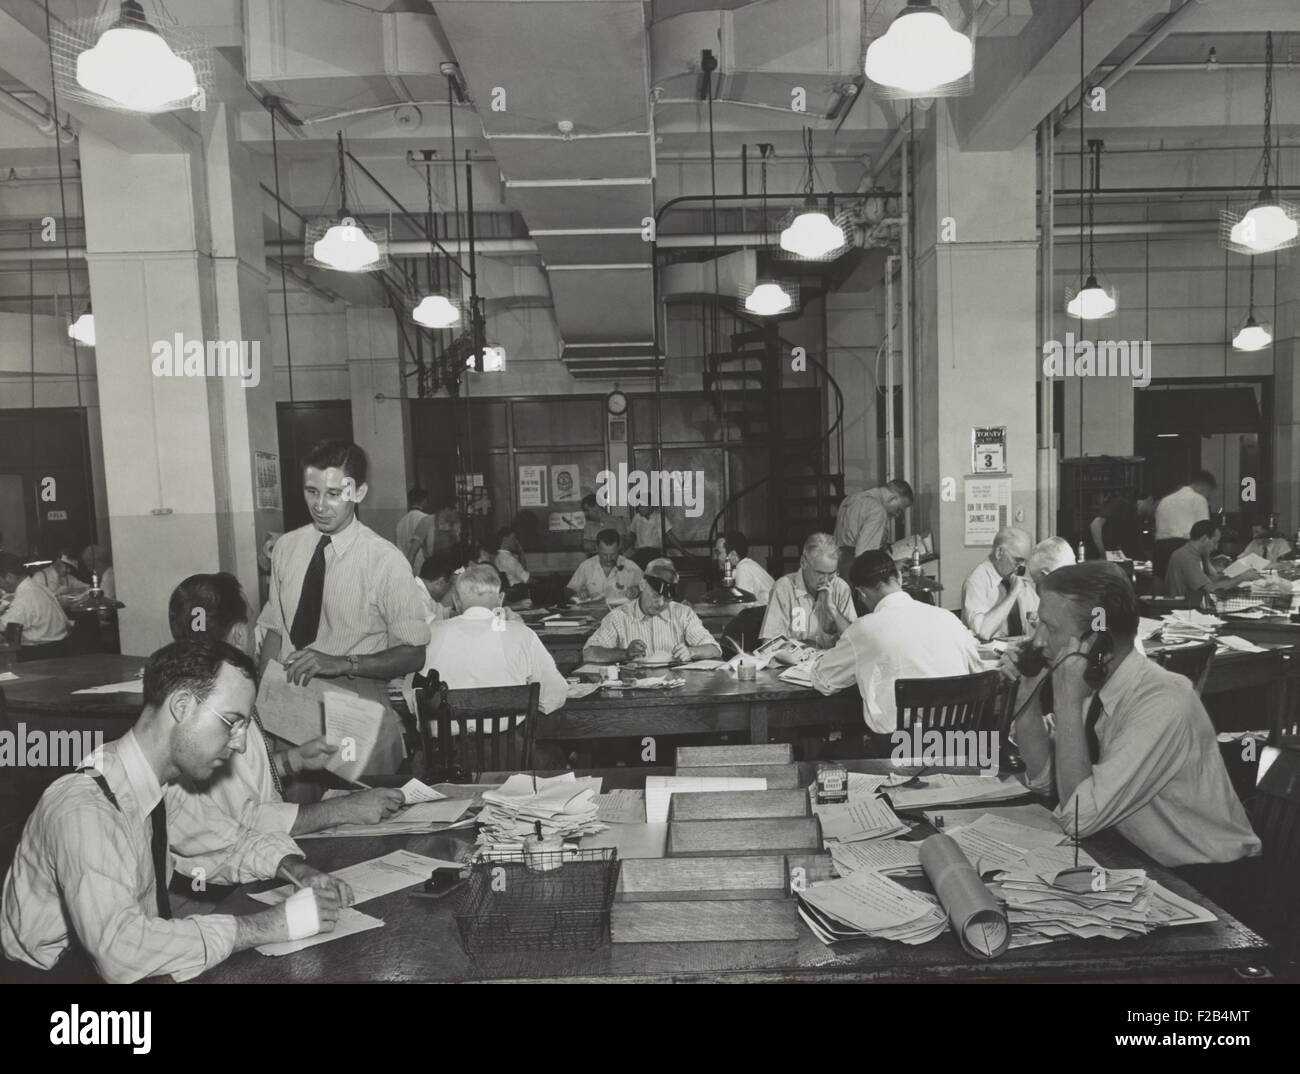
(354, 665)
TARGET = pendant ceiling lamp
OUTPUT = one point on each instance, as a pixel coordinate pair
(812, 233)
(1092, 301)
(768, 297)
(921, 55)
(121, 60)
(1270, 224)
(434, 309)
(1252, 336)
(82, 330)
(344, 244)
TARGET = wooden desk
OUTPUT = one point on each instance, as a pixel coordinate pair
(420, 941)
(44, 691)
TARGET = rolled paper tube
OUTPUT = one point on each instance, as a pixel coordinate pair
(977, 918)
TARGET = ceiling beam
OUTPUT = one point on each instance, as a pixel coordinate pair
(1019, 80)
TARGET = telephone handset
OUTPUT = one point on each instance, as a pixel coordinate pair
(1030, 661)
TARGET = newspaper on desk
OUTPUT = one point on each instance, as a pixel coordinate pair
(561, 807)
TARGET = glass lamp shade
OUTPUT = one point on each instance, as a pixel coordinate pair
(1091, 303)
(1266, 227)
(134, 67)
(919, 53)
(812, 234)
(346, 248)
(436, 311)
(1252, 336)
(83, 330)
(767, 300)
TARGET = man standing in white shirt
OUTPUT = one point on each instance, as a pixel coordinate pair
(650, 535)
(606, 575)
(342, 602)
(87, 892)
(1176, 514)
(480, 647)
(733, 547)
(34, 618)
(862, 521)
(417, 503)
(996, 600)
(901, 639)
(1131, 745)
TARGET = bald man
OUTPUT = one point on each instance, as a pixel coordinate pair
(996, 600)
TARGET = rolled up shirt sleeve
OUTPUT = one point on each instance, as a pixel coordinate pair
(695, 632)
(1144, 756)
(777, 620)
(399, 603)
(95, 866)
(609, 635)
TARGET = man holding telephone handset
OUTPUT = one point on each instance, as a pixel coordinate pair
(1129, 744)
(996, 600)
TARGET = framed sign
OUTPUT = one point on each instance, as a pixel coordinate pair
(989, 450)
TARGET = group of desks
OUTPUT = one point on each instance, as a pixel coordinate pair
(420, 940)
(710, 703)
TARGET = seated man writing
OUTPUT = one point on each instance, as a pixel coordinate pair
(250, 788)
(653, 624)
(606, 575)
(1132, 747)
(901, 638)
(87, 891)
(814, 604)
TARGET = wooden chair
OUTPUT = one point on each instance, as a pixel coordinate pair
(1275, 816)
(956, 702)
(495, 744)
(744, 627)
(1192, 661)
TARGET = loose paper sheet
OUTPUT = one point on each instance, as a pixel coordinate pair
(352, 723)
(131, 686)
(375, 878)
(290, 712)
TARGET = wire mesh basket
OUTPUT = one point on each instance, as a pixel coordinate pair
(1274, 603)
(549, 901)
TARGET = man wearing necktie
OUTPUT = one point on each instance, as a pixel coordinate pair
(996, 600)
(1130, 745)
(86, 896)
(342, 605)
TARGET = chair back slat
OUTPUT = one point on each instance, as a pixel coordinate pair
(494, 742)
(955, 702)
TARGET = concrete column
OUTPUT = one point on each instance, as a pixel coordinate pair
(1286, 398)
(174, 249)
(379, 415)
(976, 352)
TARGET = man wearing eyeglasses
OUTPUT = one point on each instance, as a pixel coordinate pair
(814, 604)
(996, 599)
(653, 624)
(87, 895)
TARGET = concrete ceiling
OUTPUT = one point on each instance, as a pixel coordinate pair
(626, 75)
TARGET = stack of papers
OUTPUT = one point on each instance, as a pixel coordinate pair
(564, 806)
(420, 818)
(578, 690)
(1249, 562)
(1190, 626)
(868, 905)
(621, 807)
(892, 857)
(798, 675)
(860, 818)
(945, 789)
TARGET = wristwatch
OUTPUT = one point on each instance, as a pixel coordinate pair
(354, 666)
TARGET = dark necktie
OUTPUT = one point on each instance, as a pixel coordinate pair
(1014, 625)
(306, 620)
(1090, 728)
(161, 868)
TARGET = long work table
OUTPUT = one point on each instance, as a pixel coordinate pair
(420, 940)
(709, 703)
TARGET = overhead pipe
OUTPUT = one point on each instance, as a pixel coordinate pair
(45, 122)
